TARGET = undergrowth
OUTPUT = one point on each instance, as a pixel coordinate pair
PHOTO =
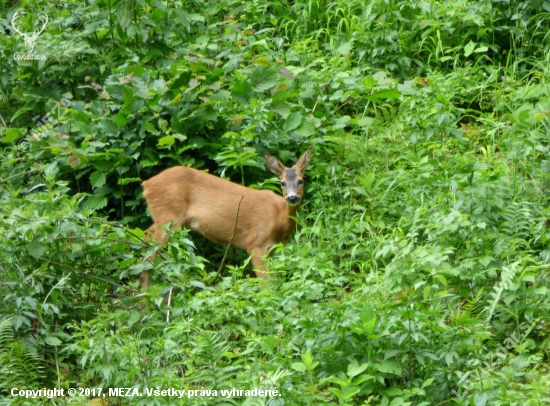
(418, 274)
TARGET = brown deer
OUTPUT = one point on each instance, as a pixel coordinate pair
(225, 212)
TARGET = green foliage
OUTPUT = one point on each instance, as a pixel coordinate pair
(20, 366)
(419, 271)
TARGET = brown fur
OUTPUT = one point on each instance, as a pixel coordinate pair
(207, 204)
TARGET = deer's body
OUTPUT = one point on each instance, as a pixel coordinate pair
(225, 212)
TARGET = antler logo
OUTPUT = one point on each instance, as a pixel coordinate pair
(30, 39)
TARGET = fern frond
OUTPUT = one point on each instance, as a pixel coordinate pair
(474, 306)
(211, 361)
(20, 366)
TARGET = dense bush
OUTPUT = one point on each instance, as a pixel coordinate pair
(419, 271)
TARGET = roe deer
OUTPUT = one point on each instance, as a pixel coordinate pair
(207, 204)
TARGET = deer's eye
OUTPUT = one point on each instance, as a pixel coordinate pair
(300, 182)
(283, 184)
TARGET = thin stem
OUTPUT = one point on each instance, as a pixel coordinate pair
(230, 241)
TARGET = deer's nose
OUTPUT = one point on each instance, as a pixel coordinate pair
(293, 199)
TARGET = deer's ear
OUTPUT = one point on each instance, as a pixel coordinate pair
(274, 165)
(303, 162)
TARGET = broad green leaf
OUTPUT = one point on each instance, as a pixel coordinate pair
(338, 393)
(529, 277)
(18, 321)
(292, 121)
(52, 170)
(125, 181)
(121, 119)
(175, 99)
(103, 165)
(95, 202)
(346, 393)
(305, 129)
(399, 402)
(307, 357)
(427, 383)
(393, 392)
(386, 94)
(163, 124)
(281, 108)
(124, 15)
(263, 79)
(98, 179)
(389, 367)
(197, 67)
(11, 135)
(349, 391)
(283, 95)
(134, 317)
(150, 127)
(221, 95)
(35, 249)
(242, 91)
(147, 162)
(362, 378)
(197, 284)
(108, 126)
(367, 182)
(299, 366)
(339, 381)
(206, 114)
(138, 232)
(469, 48)
(368, 82)
(341, 122)
(53, 341)
(345, 48)
(167, 141)
(425, 23)
(355, 369)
